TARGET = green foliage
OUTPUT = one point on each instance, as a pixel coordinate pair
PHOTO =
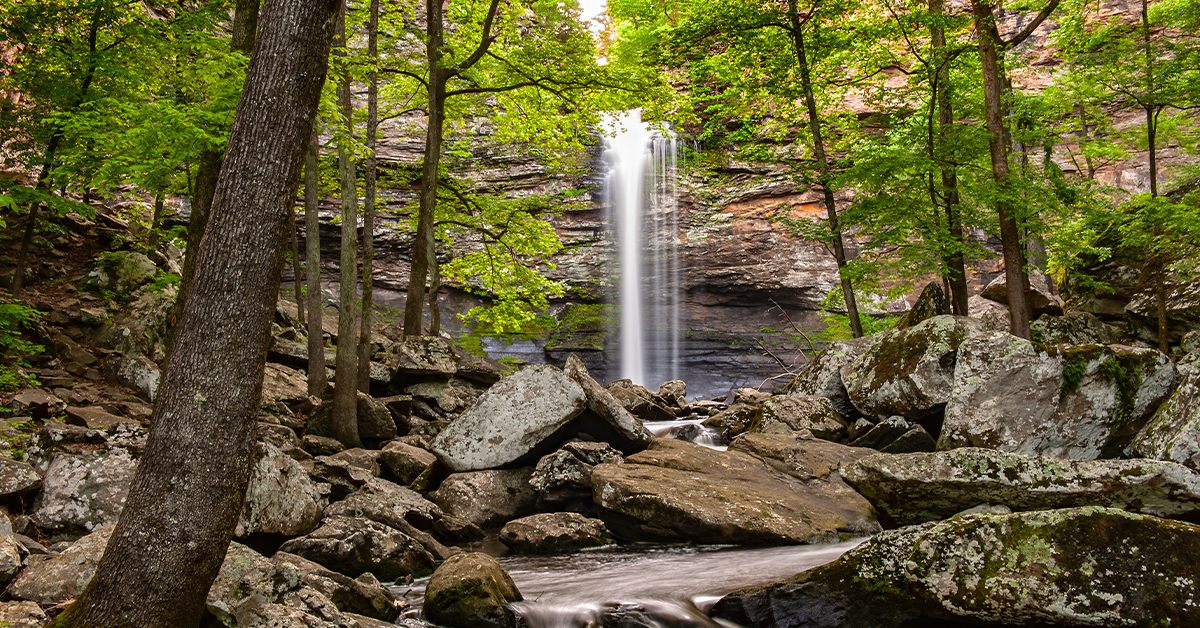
(15, 321)
(163, 280)
(837, 325)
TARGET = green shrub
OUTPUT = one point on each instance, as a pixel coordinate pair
(15, 320)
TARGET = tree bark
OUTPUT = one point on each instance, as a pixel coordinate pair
(956, 259)
(345, 391)
(160, 202)
(187, 494)
(1017, 281)
(823, 167)
(312, 270)
(297, 280)
(370, 184)
(430, 177)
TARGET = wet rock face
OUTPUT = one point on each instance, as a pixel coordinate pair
(1079, 566)
(471, 591)
(1081, 402)
(908, 372)
(681, 491)
(1173, 433)
(915, 488)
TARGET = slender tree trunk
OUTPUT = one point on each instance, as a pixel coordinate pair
(1160, 262)
(1010, 234)
(297, 280)
(345, 392)
(35, 208)
(423, 244)
(956, 259)
(245, 27)
(1085, 135)
(312, 270)
(435, 283)
(814, 125)
(187, 493)
(372, 175)
(160, 201)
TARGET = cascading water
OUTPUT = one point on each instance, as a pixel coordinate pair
(641, 193)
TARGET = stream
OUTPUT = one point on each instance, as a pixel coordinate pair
(667, 587)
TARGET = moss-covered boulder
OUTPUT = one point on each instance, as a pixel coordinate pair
(765, 491)
(908, 372)
(1081, 402)
(1173, 433)
(785, 414)
(1072, 567)
(119, 273)
(931, 302)
(471, 591)
(914, 488)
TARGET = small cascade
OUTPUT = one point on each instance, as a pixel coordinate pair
(641, 193)
(690, 430)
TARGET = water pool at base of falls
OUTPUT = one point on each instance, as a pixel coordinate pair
(651, 586)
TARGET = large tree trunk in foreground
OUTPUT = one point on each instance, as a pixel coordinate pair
(312, 270)
(187, 494)
(1010, 233)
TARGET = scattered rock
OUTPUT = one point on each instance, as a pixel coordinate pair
(83, 492)
(406, 463)
(674, 393)
(639, 402)
(120, 273)
(364, 594)
(915, 488)
(95, 418)
(38, 403)
(22, 615)
(11, 553)
(487, 498)
(17, 478)
(142, 327)
(554, 533)
(785, 414)
(281, 499)
(822, 376)
(1043, 297)
(375, 423)
(53, 579)
(563, 479)
(141, 374)
(471, 591)
(883, 433)
(354, 545)
(321, 445)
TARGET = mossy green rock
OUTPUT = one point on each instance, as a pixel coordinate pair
(914, 488)
(1072, 567)
(471, 591)
(1080, 402)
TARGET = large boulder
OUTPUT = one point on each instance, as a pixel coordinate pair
(51, 579)
(364, 594)
(908, 372)
(679, 491)
(487, 498)
(822, 376)
(785, 414)
(421, 358)
(563, 480)
(931, 302)
(1074, 328)
(528, 415)
(144, 326)
(281, 499)
(353, 545)
(407, 463)
(1075, 567)
(471, 591)
(1081, 402)
(1173, 433)
(554, 533)
(120, 273)
(915, 488)
(1043, 296)
(83, 492)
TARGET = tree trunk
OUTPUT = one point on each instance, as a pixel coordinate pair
(245, 26)
(1010, 233)
(814, 125)
(345, 391)
(160, 201)
(1160, 262)
(423, 244)
(42, 185)
(297, 280)
(372, 175)
(312, 269)
(187, 493)
(956, 259)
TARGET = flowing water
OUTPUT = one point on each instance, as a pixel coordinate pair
(640, 188)
(691, 430)
(668, 587)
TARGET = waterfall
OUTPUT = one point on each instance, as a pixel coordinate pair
(641, 193)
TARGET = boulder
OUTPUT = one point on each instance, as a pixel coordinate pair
(252, 591)
(281, 499)
(1074, 567)
(1081, 402)
(120, 273)
(364, 594)
(677, 491)
(285, 389)
(883, 433)
(554, 533)
(674, 393)
(630, 434)
(915, 488)
(421, 358)
(94, 417)
(563, 479)
(389, 504)
(822, 376)
(931, 302)
(22, 615)
(51, 579)
(785, 414)
(375, 423)
(352, 546)
(407, 463)
(17, 478)
(1074, 328)
(83, 492)
(141, 374)
(915, 440)
(471, 591)
(1043, 296)
(1173, 433)
(448, 399)
(528, 415)
(908, 372)
(487, 498)
(991, 315)
(144, 326)
(37, 403)
(639, 402)
(11, 555)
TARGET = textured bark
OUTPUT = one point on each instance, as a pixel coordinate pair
(345, 392)
(423, 245)
(814, 125)
(297, 279)
(317, 382)
(371, 181)
(187, 494)
(1010, 234)
(955, 260)
(160, 202)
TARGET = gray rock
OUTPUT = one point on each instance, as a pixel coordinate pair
(991, 315)
(17, 478)
(363, 595)
(449, 398)
(785, 414)
(908, 372)
(407, 463)
(883, 433)
(1074, 328)
(53, 579)
(931, 302)
(38, 403)
(563, 479)
(674, 393)
(1173, 433)
(616, 425)
(352, 546)
(1073, 567)
(285, 390)
(1082, 402)
(767, 489)
(471, 591)
(554, 533)
(915, 488)
(22, 615)
(486, 498)
(11, 554)
(120, 272)
(421, 357)
(1043, 296)
(387, 503)
(281, 499)
(141, 374)
(639, 402)
(84, 492)
(915, 440)
(375, 423)
(142, 327)
(822, 376)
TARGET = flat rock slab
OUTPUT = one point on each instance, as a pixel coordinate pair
(908, 489)
(679, 491)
